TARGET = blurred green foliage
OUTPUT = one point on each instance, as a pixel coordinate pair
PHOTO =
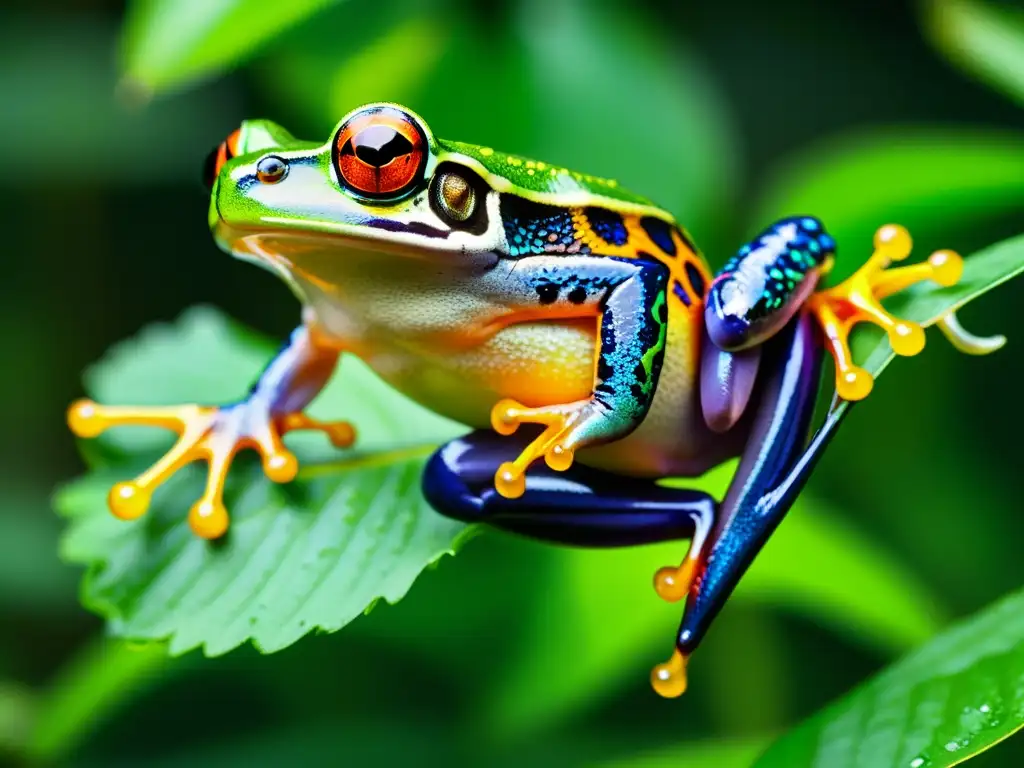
(727, 114)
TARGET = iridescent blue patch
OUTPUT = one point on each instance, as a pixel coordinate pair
(680, 292)
(607, 225)
(533, 228)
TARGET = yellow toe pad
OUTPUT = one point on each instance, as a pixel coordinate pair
(858, 299)
(205, 433)
(508, 415)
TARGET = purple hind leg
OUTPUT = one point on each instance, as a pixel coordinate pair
(775, 465)
(579, 507)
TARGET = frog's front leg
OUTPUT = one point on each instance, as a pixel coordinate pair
(273, 408)
(629, 297)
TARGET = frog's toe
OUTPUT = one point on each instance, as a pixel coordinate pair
(209, 434)
(554, 444)
(673, 583)
(193, 425)
(341, 433)
(858, 299)
(669, 679)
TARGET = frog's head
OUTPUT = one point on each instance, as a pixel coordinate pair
(381, 183)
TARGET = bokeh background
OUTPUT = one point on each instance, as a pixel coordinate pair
(727, 113)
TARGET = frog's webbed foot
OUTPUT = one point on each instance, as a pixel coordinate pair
(858, 299)
(212, 434)
(565, 430)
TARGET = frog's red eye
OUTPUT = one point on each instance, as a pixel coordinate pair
(380, 152)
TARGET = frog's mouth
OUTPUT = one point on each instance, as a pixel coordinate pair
(278, 244)
(322, 256)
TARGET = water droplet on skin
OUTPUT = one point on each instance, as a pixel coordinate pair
(952, 746)
(917, 762)
(985, 709)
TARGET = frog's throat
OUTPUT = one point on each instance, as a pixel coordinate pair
(283, 252)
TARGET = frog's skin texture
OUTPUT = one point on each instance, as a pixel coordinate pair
(506, 293)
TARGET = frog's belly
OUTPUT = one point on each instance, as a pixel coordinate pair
(552, 363)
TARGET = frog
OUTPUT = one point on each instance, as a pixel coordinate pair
(573, 326)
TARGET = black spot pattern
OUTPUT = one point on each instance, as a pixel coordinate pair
(608, 225)
(547, 293)
(660, 234)
(680, 292)
(663, 313)
(696, 279)
(578, 295)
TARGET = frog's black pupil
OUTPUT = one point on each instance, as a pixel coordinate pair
(210, 168)
(378, 145)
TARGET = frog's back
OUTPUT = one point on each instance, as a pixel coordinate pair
(551, 209)
(548, 209)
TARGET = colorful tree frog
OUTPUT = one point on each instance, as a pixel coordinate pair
(573, 325)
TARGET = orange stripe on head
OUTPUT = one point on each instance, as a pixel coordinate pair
(232, 143)
(223, 152)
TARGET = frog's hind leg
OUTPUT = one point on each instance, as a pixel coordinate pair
(580, 506)
(773, 469)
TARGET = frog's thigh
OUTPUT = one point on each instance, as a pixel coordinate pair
(580, 506)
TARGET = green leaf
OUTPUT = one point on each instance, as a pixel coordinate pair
(955, 697)
(172, 43)
(984, 39)
(312, 554)
(930, 180)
